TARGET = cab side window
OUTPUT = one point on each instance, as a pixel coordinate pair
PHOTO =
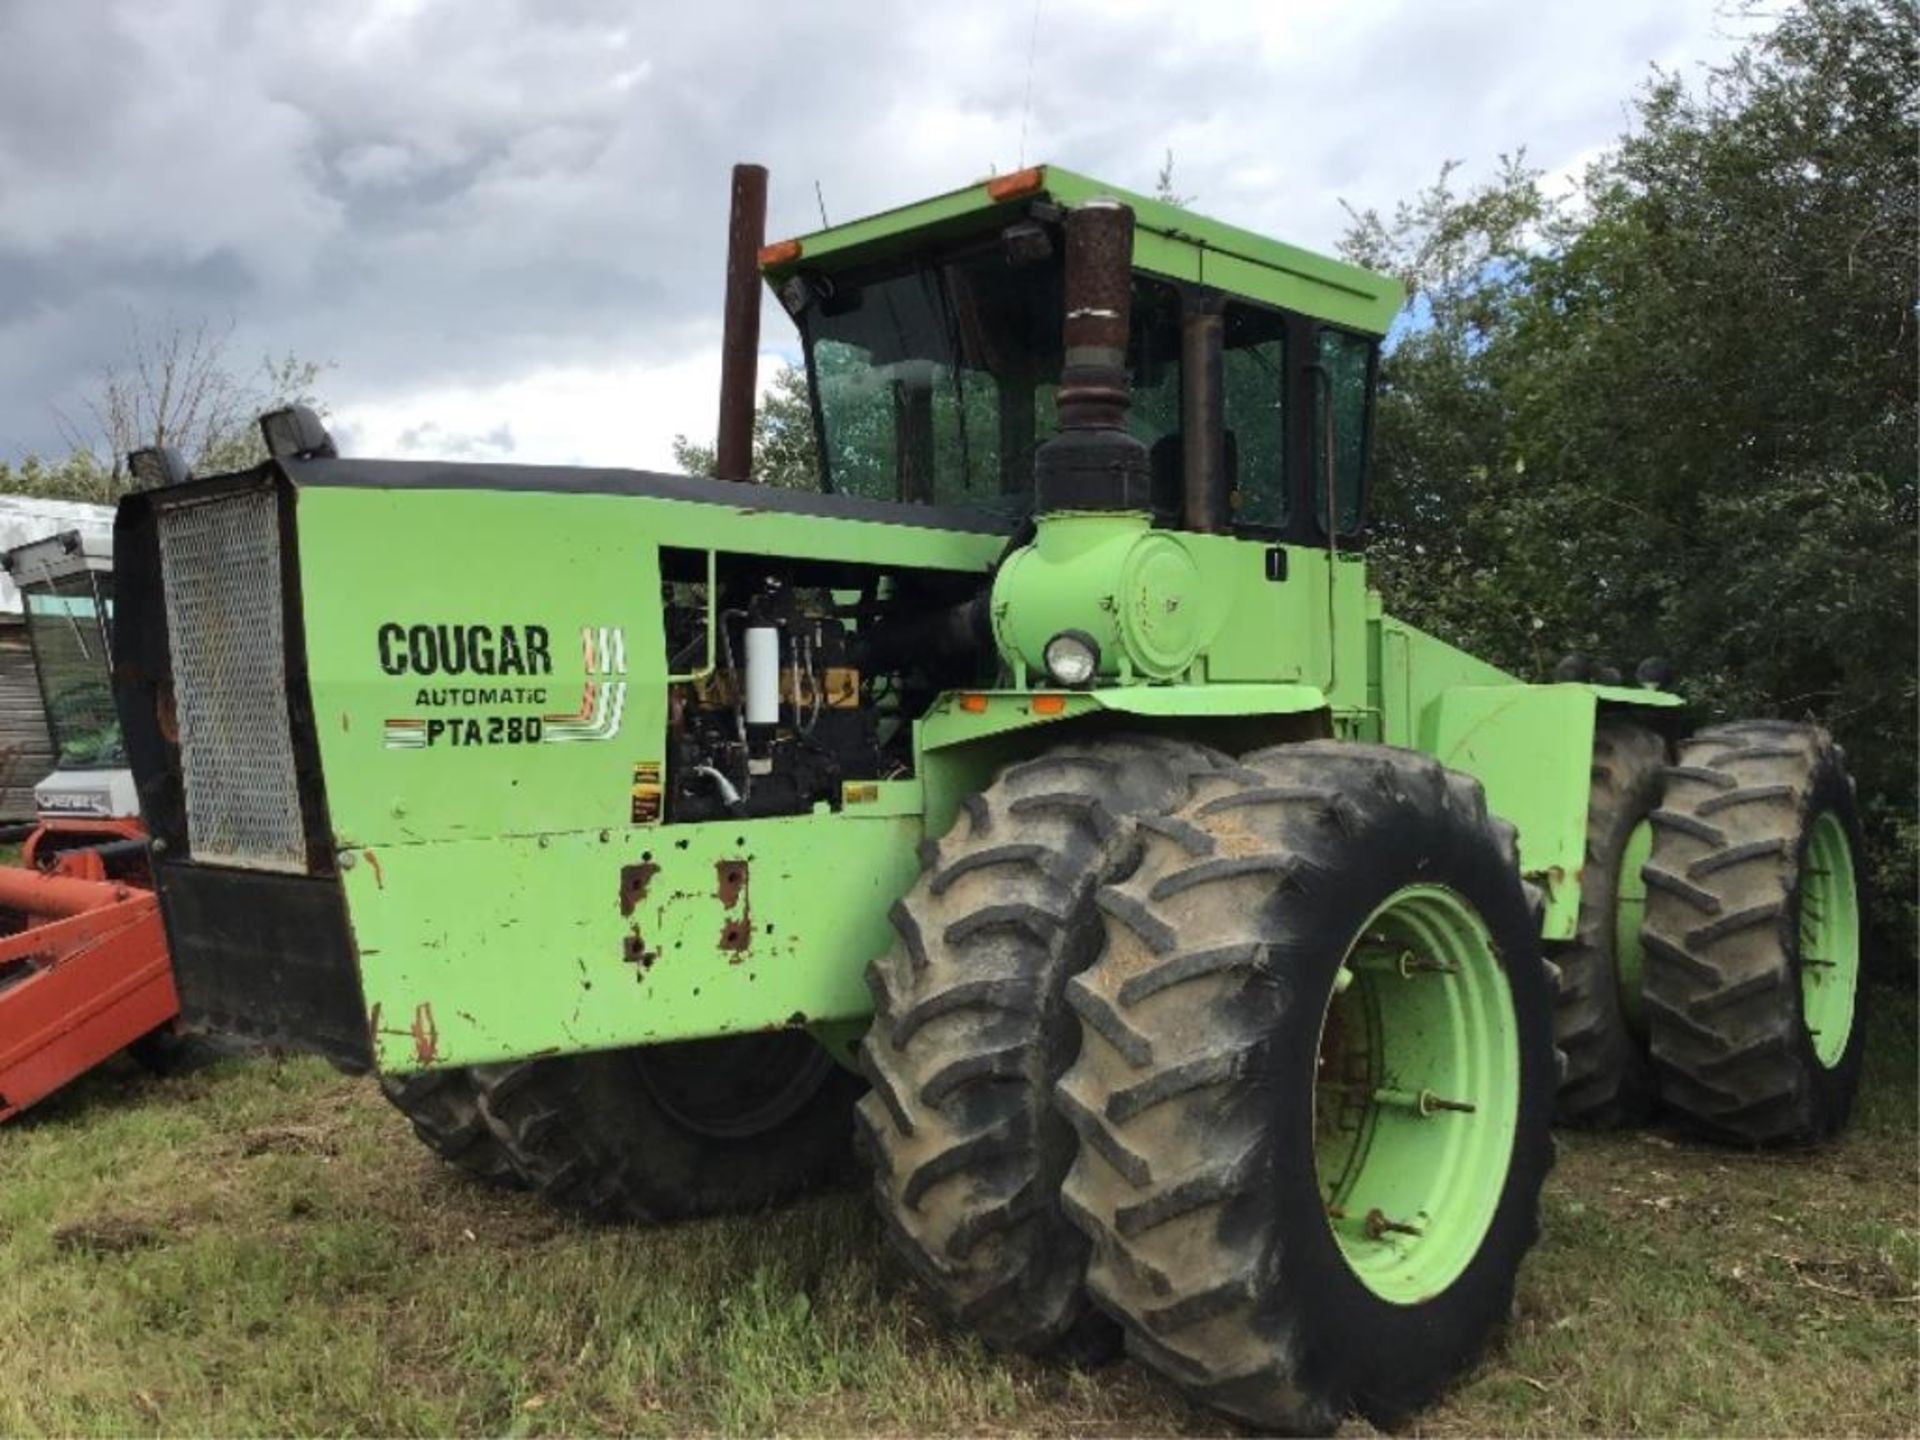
(1254, 385)
(1340, 416)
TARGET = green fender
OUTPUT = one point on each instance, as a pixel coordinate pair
(1531, 747)
(966, 736)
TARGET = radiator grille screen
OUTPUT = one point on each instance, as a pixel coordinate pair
(220, 566)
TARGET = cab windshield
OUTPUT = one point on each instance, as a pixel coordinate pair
(68, 620)
(934, 381)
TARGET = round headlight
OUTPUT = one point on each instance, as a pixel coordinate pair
(1072, 658)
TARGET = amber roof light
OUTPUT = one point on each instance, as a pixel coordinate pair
(781, 252)
(1020, 182)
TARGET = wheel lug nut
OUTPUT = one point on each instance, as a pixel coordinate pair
(1378, 1226)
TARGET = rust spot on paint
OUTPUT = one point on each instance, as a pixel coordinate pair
(731, 881)
(373, 864)
(634, 880)
(426, 1035)
(373, 1024)
(346, 723)
(634, 950)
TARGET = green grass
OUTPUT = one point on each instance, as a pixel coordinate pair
(262, 1248)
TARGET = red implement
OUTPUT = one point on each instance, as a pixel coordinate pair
(83, 973)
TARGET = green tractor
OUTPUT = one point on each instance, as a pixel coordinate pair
(1041, 804)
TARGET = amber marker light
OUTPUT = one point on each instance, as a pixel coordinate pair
(1049, 704)
(1020, 182)
(974, 704)
(781, 252)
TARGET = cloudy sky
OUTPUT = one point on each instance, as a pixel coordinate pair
(502, 221)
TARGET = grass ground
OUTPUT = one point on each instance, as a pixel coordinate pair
(262, 1248)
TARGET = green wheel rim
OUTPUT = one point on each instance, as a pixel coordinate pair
(1629, 917)
(1829, 940)
(1416, 1094)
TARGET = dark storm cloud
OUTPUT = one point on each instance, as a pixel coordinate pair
(433, 195)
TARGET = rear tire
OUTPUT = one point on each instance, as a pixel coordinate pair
(1212, 1182)
(1755, 895)
(1609, 1080)
(443, 1106)
(970, 1032)
(649, 1134)
(675, 1132)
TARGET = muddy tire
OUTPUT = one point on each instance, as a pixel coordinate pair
(443, 1106)
(970, 1032)
(1755, 899)
(1609, 1080)
(649, 1134)
(1224, 1176)
(674, 1132)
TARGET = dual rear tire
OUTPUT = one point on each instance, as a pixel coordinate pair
(1106, 1069)
(1716, 966)
(1755, 897)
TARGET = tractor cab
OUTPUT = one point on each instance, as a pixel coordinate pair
(934, 342)
(66, 590)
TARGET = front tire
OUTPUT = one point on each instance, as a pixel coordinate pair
(1755, 899)
(1268, 1092)
(970, 1032)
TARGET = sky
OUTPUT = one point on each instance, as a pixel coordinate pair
(501, 224)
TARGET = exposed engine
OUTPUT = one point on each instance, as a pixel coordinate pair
(798, 689)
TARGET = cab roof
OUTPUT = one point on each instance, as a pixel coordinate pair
(1168, 240)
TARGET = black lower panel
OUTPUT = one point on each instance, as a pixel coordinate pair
(265, 956)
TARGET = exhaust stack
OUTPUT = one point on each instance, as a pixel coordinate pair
(1093, 463)
(740, 335)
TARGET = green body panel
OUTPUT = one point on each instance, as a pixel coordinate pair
(1168, 240)
(1531, 746)
(478, 950)
(1164, 604)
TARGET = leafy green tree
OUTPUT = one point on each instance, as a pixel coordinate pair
(784, 453)
(1676, 416)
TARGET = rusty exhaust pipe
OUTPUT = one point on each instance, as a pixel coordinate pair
(740, 333)
(1093, 463)
(1205, 503)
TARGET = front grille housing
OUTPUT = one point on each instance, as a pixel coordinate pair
(221, 577)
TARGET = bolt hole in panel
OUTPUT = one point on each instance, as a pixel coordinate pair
(220, 569)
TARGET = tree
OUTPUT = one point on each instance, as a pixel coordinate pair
(1677, 415)
(173, 387)
(784, 452)
(1163, 190)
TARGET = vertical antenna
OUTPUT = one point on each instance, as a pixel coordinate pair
(822, 199)
(1026, 106)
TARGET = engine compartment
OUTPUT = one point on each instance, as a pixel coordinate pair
(787, 681)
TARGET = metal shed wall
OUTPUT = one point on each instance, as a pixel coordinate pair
(26, 752)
